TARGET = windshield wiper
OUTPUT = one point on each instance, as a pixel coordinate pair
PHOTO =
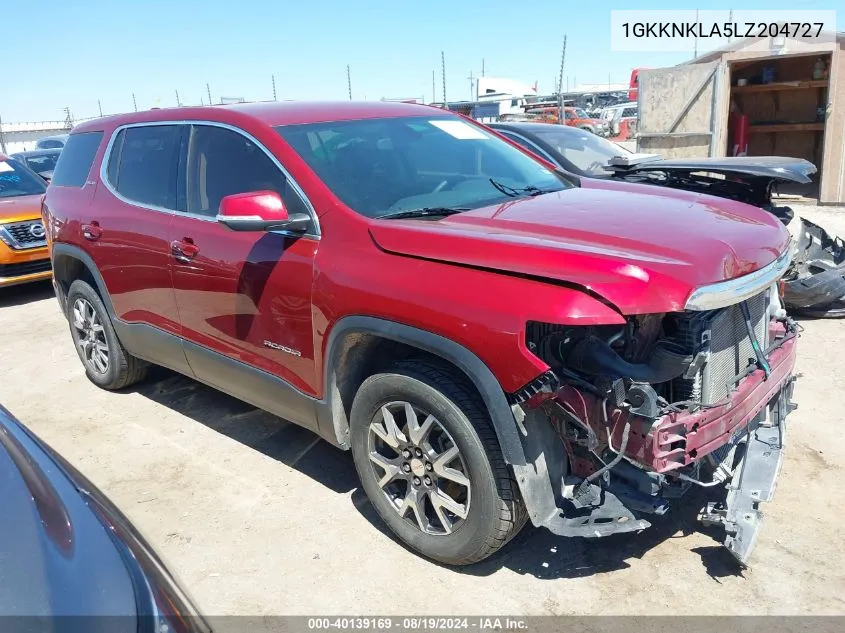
(421, 213)
(513, 192)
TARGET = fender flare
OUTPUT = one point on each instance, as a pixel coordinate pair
(85, 258)
(466, 361)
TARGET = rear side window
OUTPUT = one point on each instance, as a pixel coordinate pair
(76, 159)
(143, 164)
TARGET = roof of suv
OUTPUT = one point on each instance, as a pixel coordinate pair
(271, 113)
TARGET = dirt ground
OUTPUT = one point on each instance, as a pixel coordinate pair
(257, 516)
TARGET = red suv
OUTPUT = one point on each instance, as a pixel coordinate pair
(493, 340)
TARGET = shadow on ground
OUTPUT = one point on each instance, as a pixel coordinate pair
(288, 443)
(534, 552)
(26, 293)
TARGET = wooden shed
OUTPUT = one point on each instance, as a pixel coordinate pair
(791, 93)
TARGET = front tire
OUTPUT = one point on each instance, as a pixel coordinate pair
(107, 364)
(430, 463)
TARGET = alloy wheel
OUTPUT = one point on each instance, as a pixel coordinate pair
(90, 336)
(419, 468)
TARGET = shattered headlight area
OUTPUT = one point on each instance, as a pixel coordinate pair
(647, 410)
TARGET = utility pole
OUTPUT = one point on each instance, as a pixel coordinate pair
(433, 89)
(100, 107)
(695, 50)
(208, 90)
(2, 138)
(560, 83)
(134, 103)
(443, 72)
(178, 101)
(273, 77)
(68, 118)
(482, 66)
(349, 81)
(471, 98)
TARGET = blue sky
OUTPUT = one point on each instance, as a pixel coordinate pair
(74, 52)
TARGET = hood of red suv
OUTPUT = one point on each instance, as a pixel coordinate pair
(642, 248)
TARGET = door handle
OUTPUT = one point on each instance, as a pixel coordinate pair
(92, 231)
(184, 250)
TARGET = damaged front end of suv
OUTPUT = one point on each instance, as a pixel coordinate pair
(647, 410)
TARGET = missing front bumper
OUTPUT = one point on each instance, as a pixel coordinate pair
(625, 498)
(754, 480)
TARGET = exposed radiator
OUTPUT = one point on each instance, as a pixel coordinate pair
(723, 332)
(731, 351)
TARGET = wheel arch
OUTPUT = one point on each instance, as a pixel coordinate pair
(71, 263)
(378, 340)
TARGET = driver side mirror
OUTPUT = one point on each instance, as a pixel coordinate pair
(260, 211)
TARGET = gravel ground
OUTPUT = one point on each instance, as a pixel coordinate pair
(260, 517)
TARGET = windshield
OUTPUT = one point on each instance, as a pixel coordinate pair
(16, 180)
(581, 114)
(384, 166)
(42, 163)
(585, 150)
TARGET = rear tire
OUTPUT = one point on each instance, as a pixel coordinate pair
(107, 364)
(459, 445)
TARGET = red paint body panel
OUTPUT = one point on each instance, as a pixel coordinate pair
(244, 288)
(641, 249)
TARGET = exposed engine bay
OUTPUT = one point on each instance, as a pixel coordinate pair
(663, 403)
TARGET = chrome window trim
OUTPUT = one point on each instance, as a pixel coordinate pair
(733, 291)
(107, 157)
(197, 216)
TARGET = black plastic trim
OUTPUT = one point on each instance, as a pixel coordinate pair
(475, 369)
(85, 258)
(252, 385)
(152, 344)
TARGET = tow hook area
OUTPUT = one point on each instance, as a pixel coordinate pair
(754, 480)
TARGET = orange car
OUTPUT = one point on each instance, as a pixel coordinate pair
(23, 240)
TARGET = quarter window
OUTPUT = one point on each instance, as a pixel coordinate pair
(222, 162)
(143, 164)
(76, 159)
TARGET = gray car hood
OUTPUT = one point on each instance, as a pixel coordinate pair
(777, 168)
(56, 557)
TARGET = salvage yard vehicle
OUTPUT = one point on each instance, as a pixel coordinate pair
(23, 243)
(41, 161)
(814, 285)
(495, 341)
(86, 567)
(52, 142)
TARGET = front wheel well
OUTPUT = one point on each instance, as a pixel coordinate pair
(361, 355)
